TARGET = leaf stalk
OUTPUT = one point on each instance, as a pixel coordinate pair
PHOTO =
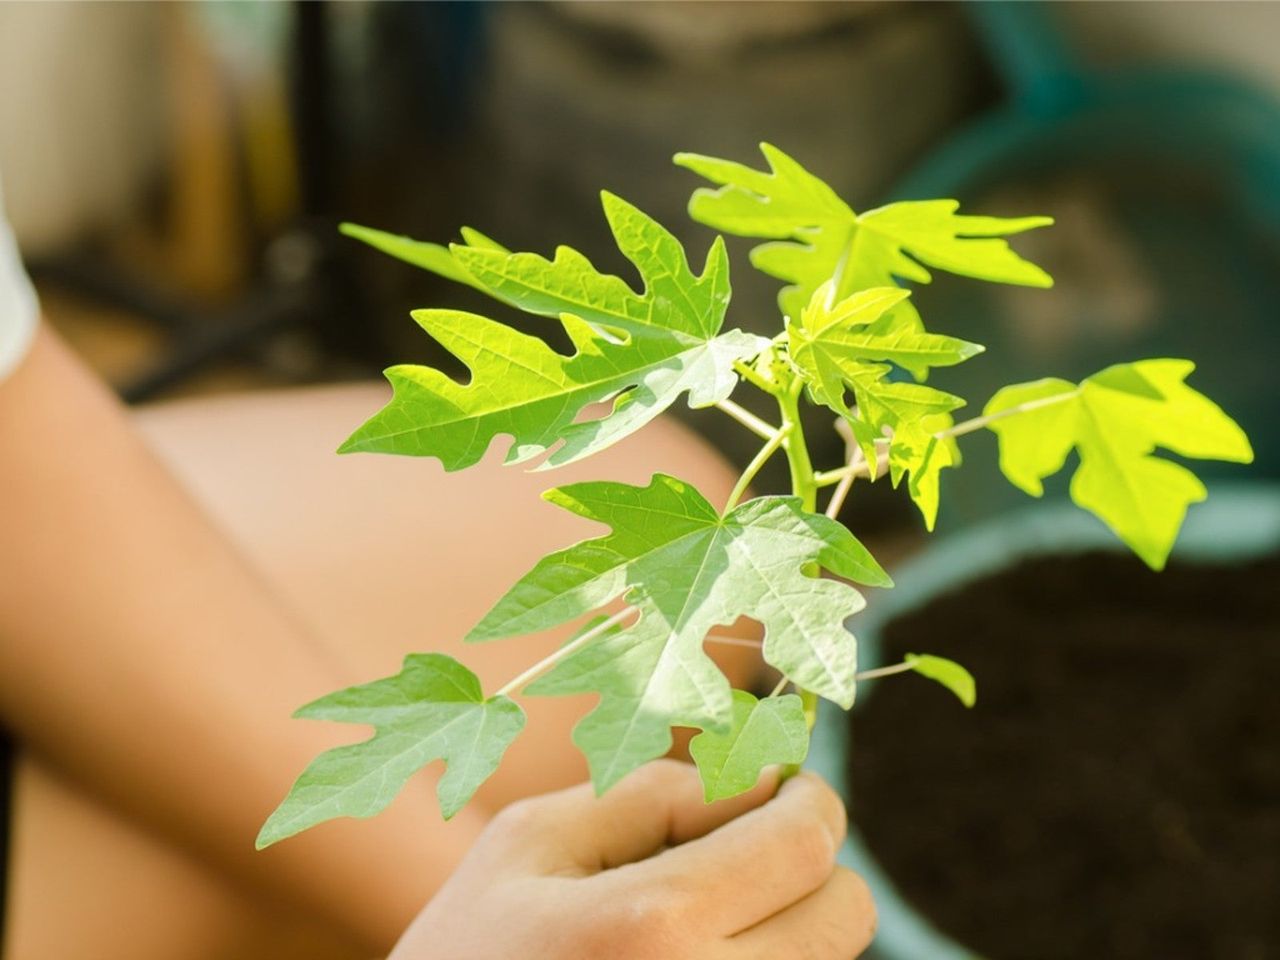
(748, 419)
(547, 662)
(977, 423)
(753, 468)
(804, 486)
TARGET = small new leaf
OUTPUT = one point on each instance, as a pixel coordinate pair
(432, 709)
(639, 350)
(816, 236)
(838, 345)
(924, 456)
(763, 732)
(848, 346)
(686, 569)
(946, 672)
(1116, 419)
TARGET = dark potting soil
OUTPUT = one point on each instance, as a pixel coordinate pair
(1115, 793)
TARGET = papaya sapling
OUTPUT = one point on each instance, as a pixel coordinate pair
(850, 340)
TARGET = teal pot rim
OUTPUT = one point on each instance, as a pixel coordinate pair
(1236, 523)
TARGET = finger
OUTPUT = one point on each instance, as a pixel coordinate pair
(657, 806)
(835, 922)
(784, 850)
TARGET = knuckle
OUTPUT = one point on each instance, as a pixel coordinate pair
(855, 890)
(810, 849)
(862, 907)
(830, 808)
(849, 922)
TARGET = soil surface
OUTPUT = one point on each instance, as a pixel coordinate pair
(1115, 793)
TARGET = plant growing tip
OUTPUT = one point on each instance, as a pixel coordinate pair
(851, 340)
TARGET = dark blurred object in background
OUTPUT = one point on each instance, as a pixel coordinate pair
(1165, 180)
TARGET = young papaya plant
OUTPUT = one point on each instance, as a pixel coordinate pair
(849, 340)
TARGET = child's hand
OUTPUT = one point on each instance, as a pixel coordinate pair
(650, 872)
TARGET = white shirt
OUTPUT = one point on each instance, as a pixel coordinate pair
(18, 307)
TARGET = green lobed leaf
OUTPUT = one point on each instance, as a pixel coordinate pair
(946, 672)
(429, 256)
(924, 456)
(639, 350)
(432, 709)
(687, 570)
(833, 344)
(845, 346)
(1116, 419)
(816, 236)
(763, 732)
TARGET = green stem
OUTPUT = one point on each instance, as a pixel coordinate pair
(804, 486)
(863, 469)
(768, 450)
(747, 418)
(577, 643)
(879, 672)
(860, 469)
(977, 423)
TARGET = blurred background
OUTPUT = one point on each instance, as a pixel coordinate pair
(175, 174)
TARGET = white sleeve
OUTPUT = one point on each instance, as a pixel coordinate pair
(18, 307)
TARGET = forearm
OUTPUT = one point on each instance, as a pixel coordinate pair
(142, 656)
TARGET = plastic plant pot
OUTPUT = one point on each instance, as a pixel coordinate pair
(1237, 523)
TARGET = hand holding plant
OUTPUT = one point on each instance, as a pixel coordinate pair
(650, 872)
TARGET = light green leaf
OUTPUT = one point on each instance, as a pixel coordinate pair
(946, 672)
(428, 256)
(817, 236)
(686, 569)
(432, 709)
(844, 346)
(1116, 419)
(640, 350)
(925, 456)
(841, 344)
(763, 732)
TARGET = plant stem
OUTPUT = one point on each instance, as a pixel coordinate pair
(860, 469)
(977, 423)
(728, 641)
(805, 487)
(853, 456)
(781, 686)
(577, 643)
(863, 469)
(883, 671)
(760, 459)
(748, 419)
(802, 476)
(839, 494)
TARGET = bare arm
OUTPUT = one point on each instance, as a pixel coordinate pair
(143, 657)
